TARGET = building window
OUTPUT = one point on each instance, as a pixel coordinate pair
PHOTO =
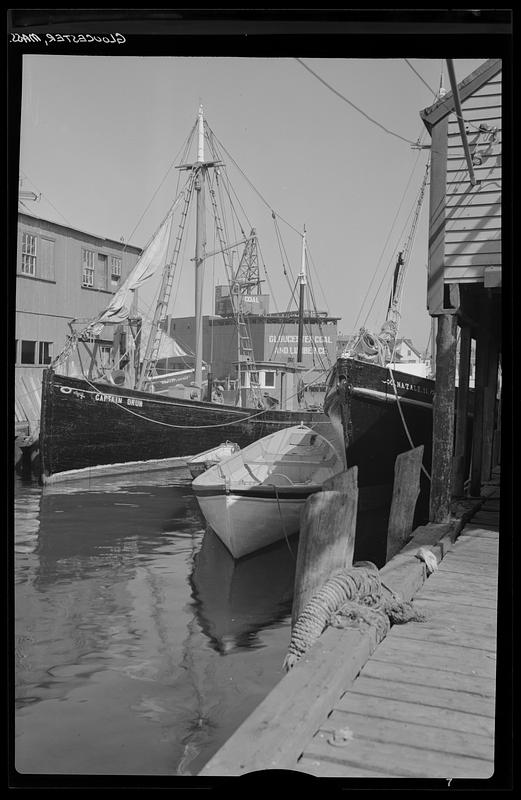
(102, 271)
(46, 259)
(44, 352)
(28, 354)
(269, 379)
(115, 271)
(28, 254)
(87, 277)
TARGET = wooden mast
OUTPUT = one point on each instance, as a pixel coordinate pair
(199, 254)
(303, 282)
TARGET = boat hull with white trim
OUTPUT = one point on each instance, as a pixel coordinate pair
(255, 497)
(87, 425)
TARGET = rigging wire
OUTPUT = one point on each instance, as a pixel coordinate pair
(186, 147)
(406, 223)
(47, 198)
(316, 275)
(254, 187)
(402, 200)
(420, 77)
(268, 281)
(343, 97)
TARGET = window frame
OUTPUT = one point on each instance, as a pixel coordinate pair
(31, 254)
(87, 269)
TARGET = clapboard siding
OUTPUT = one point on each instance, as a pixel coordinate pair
(490, 226)
(490, 237)
(465, 223)
(472, 247)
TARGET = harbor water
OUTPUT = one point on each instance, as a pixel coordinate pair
(140, 644)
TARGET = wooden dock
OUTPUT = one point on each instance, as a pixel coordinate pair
(421, 703)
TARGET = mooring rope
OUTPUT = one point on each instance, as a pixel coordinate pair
(350, 597)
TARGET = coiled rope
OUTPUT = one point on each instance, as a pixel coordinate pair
(350, 597)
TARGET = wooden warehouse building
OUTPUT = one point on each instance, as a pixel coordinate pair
(464, 280)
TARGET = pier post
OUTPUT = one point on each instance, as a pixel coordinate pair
(443, 419)
(406, 489)
(327, 536)
(460, 446)
(489, 408)
(482, 358)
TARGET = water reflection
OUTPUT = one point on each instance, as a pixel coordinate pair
(236, 599)
(124, 607)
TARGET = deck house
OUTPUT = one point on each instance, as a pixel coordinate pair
(464, 279)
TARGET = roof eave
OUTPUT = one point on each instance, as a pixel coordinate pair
(441, 108)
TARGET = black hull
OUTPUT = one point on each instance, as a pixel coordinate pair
(86, 424)
(362, 395)
(90, 425)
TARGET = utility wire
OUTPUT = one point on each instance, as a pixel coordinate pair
(346, 100)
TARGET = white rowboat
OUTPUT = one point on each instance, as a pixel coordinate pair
(255, 496)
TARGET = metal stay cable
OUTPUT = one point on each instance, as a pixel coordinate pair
(407, 433)
(253, 186)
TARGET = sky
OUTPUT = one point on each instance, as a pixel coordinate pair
(99, 136)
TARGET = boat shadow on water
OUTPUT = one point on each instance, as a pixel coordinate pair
(236, 599)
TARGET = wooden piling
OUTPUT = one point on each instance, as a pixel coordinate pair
(460, 446)
(406, 489)
(482, 351)
(327, 536)
(443, 420)
(489, 411)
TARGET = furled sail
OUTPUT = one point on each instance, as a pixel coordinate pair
(150, 261)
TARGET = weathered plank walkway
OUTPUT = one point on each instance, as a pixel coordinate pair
(421, 704)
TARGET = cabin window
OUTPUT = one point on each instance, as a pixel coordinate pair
(28, 353)
(87, 277)
(269, 379)
(115, 271)
(105, 351)
(28, 254)
(44, 352)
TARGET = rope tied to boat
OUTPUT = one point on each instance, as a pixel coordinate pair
(349, 598)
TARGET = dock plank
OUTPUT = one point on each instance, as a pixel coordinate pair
(460, 598)
(449, 658)
(441, 634)
(447, 581)
(428, 676)
(472, 703)
(411, 731)
(331, 769)
(442, 609)
(419, 713)
(397, 759)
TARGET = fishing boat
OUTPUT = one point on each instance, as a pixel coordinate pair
(380, 410)
(136, 411)
(208, 458)
(255, 497)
